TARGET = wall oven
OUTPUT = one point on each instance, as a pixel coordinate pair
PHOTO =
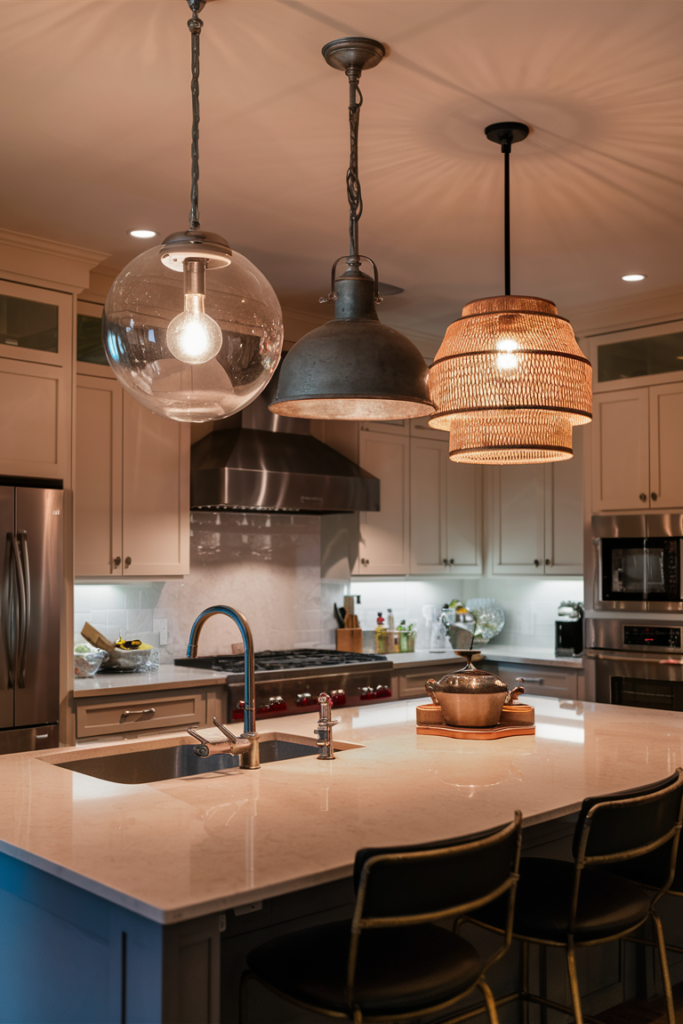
(639, 664)
(637, 562)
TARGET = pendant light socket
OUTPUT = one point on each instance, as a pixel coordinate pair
(195, 245)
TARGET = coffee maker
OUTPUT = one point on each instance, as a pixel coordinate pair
(569, 630)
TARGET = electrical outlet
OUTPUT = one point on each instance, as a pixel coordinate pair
(160, 626)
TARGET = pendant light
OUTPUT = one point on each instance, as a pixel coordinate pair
(353, 367)
(509, 381)
(191, 328)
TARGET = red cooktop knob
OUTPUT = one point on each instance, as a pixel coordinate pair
(367, 693)
(383, 691)
(338, 698)
(306, 700)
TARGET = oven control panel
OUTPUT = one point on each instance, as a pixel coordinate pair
(652, 636)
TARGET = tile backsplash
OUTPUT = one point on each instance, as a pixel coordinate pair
(268, 567)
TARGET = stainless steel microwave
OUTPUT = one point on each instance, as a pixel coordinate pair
(637, 562)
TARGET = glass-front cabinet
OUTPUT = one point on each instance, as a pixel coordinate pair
(640, 356)
(36, 329)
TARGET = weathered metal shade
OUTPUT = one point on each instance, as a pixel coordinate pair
(354, 367)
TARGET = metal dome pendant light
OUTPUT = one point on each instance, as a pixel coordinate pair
(192, 329)
(353, 367)
(509, 380)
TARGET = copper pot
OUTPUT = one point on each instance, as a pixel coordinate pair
(470, 696)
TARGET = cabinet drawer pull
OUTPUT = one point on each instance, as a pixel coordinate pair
(145, 711)
(531, 679)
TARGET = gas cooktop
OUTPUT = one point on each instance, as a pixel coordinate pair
(278, 661)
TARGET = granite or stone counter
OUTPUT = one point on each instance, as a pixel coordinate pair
(166, 677)
(179, 849)
(493, 652)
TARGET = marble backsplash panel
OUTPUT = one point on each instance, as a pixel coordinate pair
(266, 566)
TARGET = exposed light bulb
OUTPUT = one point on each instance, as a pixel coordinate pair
(193, 336)
(506, 358)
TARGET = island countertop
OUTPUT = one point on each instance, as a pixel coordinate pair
(179, 849)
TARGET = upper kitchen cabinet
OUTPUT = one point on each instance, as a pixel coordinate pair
(132, 490)
(637, 457)
(35, 381)
(445, 510)
(537, 517)
(518, 519)
(384, 544)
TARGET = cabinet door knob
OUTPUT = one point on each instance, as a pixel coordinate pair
(365, 561)
(127, 562)
(117, 561)
(547, 561)
(452, 561)
(653, 496)
(536, 562)
(445, 561)
(643, 497)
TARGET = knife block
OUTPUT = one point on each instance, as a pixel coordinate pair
(350, 640)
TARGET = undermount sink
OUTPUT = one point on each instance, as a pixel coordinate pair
(136, 767)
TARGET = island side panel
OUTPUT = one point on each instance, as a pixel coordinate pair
(69, 957)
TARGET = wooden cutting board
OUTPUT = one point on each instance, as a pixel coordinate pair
(493, 732)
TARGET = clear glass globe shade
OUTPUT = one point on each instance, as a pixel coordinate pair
(192, 336)
(141, 305)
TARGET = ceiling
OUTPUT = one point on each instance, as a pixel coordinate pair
(95, 128)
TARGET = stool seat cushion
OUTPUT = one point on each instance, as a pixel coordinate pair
(607, 904)
(399, 969)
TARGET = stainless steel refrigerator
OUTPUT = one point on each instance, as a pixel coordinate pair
(32, 585)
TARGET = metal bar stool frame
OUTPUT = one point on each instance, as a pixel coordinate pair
(582, 861)
(360, 923)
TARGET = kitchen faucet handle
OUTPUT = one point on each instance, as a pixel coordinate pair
(224, 730)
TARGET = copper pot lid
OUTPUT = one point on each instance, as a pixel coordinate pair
(470, 679)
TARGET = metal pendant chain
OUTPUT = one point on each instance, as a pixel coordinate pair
(352, 181)
(195, 26)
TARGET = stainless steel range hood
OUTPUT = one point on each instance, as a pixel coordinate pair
(260, 462)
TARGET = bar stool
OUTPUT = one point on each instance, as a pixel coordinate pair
(391, 962)
(570, 905)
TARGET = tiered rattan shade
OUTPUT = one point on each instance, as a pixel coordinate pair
(510, 382)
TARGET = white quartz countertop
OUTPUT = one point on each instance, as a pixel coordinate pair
(494, 652)
(166, 677)
(183, 848)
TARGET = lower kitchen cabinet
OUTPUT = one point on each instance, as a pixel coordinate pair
(139, 713)
(132, 484)
(539, 680)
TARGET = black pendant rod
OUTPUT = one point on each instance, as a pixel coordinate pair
(506, 151)
(505, 134)
(195, 26)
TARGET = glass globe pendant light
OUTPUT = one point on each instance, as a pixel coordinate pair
(191, 328)
(353, 367)
(510, 381)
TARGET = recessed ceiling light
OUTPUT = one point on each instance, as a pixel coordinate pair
(633, 277)
(142, 233)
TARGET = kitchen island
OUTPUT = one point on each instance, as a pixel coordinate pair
(129, 887)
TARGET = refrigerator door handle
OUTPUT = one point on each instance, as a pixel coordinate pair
(23, 548)
(21, 630)
(9, 606)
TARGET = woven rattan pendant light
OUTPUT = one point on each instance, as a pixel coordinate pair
(509, 381)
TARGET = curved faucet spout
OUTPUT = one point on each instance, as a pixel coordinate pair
(249, 677)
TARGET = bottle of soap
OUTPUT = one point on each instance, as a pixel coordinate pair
(380, 635)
